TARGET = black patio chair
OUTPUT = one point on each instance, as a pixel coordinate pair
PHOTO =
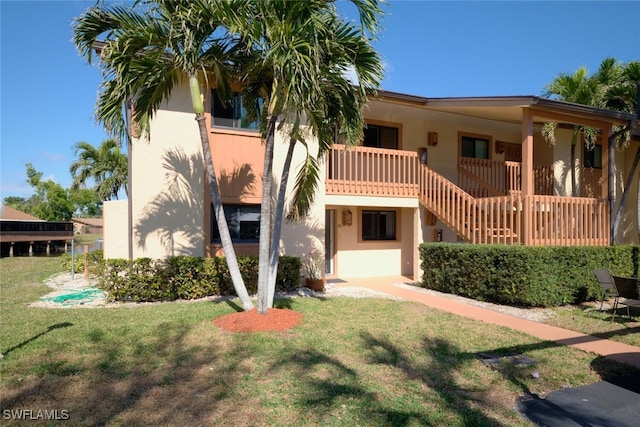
(609, 289)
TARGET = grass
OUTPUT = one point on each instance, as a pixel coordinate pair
(86, 239)
(350, 362)
(589, 319)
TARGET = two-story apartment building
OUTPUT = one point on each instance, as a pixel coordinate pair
(472, 170)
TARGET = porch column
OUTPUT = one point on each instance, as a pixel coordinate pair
(608, 175)
(11, 249)
(417, 240)
(527, 173)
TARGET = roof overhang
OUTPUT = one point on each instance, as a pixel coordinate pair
(510, 109)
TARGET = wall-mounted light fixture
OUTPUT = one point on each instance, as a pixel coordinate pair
(347, 218)
(432, 139)
(500, 147)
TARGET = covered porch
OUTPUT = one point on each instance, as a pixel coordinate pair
(492, 201)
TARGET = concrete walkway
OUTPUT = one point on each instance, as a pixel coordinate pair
(620, 352)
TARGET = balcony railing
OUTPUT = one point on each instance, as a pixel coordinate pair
(365, 171)
(486, 178)
(568, 221)
(510, 219)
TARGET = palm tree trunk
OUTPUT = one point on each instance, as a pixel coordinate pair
(265, 219)
(225, 237)
(625, 194)
(277, 223)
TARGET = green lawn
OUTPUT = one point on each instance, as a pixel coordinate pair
(350, 362)
(86, 239)
(589, 319)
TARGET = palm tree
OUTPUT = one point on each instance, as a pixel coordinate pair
(578, 88)
(149, 49)
(106, 165)
(621, 94)
(300, 52)
(614, 86)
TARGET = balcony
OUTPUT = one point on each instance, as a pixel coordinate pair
(486, 207)
(365, 171)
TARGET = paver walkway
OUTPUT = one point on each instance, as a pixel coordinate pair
(611, 349)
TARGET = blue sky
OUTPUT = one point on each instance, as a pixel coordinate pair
(433, 49)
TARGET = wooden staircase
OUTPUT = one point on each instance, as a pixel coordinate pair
(495, 211)
(476, 220)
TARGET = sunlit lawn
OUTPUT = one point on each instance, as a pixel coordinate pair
(350, 362)
(589, 319)
(86, 239)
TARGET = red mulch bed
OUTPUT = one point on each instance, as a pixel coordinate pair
(276, 320)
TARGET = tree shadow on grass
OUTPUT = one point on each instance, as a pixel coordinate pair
(438, 374)
(151, 379)
(35, 337)
(330, 384)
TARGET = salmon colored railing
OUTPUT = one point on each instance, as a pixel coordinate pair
(500, 177)
(477, 220)
(486, 178)
(543, 180)
(475, 186)
(507, 219)
(369, 171)
(568, 221)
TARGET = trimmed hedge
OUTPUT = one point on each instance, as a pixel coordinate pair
(182, 277)
(523, 276)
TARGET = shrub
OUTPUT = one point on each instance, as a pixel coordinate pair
(95, 258)
(523, 276)
(184, 277)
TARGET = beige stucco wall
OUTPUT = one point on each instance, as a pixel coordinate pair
(562, 163)
(168, 184)
(357, 258)
(628, 231)
(415, 124)
(299, 236)
(169, 193)
(116, 229)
